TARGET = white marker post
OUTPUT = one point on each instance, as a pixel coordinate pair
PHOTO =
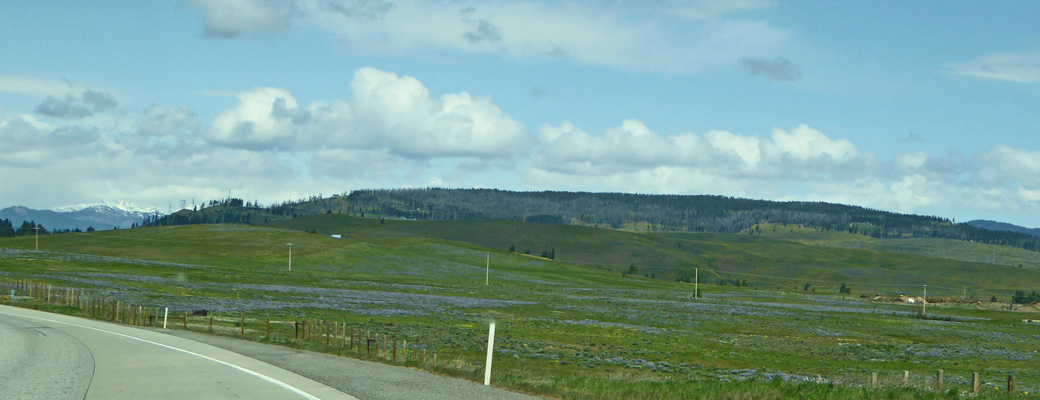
(491, 345)
(696, 281)
(290, 257)
(924, 301)
(165, 314)
(487, 272)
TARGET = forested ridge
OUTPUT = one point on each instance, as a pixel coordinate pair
(676, 213)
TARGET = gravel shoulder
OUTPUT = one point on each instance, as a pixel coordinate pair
(362, 379)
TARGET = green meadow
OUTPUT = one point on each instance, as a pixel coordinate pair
(580, 326)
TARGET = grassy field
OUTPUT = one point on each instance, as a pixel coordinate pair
(785, 259)
(574, 327)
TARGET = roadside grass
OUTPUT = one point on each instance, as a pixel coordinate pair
(565, 331)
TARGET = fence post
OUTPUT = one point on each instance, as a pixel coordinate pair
(1011, 385)
(185, 320)
(873, 379)
(974, 383)
(165, 315)
(906, 378)
(394, 357)
(242, 323)
(939, 380)
(490, 351)
(268, 326)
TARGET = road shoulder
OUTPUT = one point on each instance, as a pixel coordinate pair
(362, 379)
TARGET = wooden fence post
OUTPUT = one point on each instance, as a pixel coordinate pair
(974, 383)
(873, 379)
(939, 380)
(906, 378)
(185, 320)
(1011, 385)
(242, 323)
(268, 326)
(395, 351)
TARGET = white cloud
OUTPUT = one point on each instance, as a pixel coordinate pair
(38, 87)
(706, 9)
(1022, 67)
(401, 114)
(258, 121)
(711, 36)
(633, 146)
(804, 143)
(797, 164)
(231, 18)
(388, 113)
(1003, 164)
(161, 121)
(910, 162)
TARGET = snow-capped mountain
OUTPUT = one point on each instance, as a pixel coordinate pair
(99, 217)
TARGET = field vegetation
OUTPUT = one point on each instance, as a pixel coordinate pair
(769, 322)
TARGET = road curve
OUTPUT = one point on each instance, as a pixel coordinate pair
(53, 356)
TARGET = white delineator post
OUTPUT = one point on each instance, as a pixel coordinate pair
(487, 271)
(164, 315)
(924, 301)
(290, 257)
(491, 345)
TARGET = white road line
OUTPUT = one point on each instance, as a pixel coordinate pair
(246, 370)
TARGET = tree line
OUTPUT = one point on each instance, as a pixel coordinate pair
(673, 213)
(683, 213)
(7, 229)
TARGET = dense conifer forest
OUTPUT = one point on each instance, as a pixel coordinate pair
(672, 213)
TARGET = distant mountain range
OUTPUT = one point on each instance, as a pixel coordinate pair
(99, 217)
(1003, 227)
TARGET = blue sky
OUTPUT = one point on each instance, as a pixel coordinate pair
(927, 107)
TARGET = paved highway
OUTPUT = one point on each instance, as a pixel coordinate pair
(50, 356)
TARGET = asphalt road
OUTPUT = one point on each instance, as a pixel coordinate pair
(51, 356)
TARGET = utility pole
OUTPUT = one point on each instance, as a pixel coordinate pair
(290, 257)
(924, 301)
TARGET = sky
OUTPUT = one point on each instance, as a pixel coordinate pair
(924, 107)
